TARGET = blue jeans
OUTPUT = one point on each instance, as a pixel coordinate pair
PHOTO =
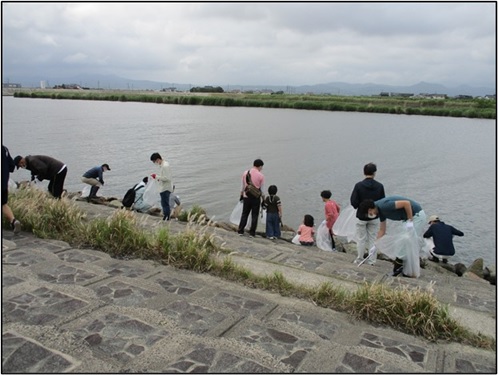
(272, 224)
(165, 204)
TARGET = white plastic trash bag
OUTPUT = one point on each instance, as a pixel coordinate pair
(12, 186)
(151, 195)
(237, 214)
(86, 191)
(345, 225)
(295, 240)
(323, 240)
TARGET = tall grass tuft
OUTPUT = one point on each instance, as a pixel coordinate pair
(416, 311)
(118, 235)
(46, 216)
(190, 249)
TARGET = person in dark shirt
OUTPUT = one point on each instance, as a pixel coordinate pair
(442, 235)
(366, 228)
(45, 168)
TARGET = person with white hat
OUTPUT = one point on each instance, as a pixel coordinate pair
(442, 235)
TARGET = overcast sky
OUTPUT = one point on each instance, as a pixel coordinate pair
(254, 43)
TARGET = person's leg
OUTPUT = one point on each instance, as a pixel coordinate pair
(270, 224)
(246, 209)
(254, 215)
(361, 235)
(7, 212)
(276, 229)
(165, 204)
(93, 192)
(58, 185)
(371, 229)
(332, 240)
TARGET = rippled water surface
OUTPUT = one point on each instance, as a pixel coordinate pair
(446, 164)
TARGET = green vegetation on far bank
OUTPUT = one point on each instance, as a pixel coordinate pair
(415, 312)
(470, 108)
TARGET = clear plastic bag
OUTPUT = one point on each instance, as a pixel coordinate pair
(151, 197)
(237, 214)
(323, 240)
(295, 240)
(12, 186)
(345, 225)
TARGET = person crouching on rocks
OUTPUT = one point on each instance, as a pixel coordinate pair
(95, 178)
(442, 235)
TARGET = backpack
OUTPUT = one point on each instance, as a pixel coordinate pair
(129, 197)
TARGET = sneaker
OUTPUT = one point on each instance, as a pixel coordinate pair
(434, 259)
(397, 271)
(16, 226)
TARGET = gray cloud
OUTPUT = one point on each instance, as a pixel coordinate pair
(254, 43)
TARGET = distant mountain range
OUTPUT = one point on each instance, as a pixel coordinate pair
(94, 81)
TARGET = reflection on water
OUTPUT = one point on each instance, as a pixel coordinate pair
(446, 164)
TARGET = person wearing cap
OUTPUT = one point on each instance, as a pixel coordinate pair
(45, 168)
(442, 235)
(8, 167)
(165, 184)
(95, 178)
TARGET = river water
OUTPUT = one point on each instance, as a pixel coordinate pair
(448, 165)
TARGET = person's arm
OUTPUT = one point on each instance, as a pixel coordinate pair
(382, 229)
(101, 176)
(354, 199)
(456, 232)
(428, 233)
(406, 205)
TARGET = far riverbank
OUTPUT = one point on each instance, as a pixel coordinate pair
(446, 107)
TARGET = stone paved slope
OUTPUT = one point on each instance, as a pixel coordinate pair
(78, 310)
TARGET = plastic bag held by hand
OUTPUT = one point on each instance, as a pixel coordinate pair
(409, 224)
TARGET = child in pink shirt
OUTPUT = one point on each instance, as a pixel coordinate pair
(332, 211)
(306, 231)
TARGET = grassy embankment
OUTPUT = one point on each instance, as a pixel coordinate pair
(415, 312)
(471, 108)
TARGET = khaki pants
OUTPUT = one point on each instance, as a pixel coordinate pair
(91, 181)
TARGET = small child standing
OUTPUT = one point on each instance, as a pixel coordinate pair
(306, 231)
(273, 213)
(332, 210)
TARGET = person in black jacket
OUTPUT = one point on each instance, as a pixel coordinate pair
(366, 227)
(45, 168)
(442, 235)
(8, 167)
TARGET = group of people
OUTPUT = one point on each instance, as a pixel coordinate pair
(44, 167)
(368, 198)
(373, 209)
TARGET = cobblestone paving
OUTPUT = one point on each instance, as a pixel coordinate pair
(79, 310)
